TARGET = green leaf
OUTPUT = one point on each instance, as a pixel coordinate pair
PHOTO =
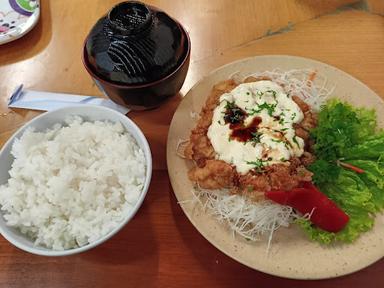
(350, 134)
(324, 171)
(370, 149)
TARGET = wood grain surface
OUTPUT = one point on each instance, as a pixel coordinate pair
(376, 6)
(160, 248)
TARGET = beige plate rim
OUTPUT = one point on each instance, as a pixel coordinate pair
(177, 179)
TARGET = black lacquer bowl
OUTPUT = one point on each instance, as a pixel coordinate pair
(137, 55)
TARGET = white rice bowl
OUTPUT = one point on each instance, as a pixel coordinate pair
(73, 181)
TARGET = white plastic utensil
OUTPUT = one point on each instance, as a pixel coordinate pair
(48, 101)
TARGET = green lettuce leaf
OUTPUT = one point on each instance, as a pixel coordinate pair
(348, 134)
(372, 148)
(337, 130)
(324, 171)
(373, 177)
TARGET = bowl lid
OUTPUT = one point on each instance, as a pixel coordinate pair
(135, 44)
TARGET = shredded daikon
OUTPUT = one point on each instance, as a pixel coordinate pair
(194, 115)
(311, 87)
(251, 220)
(180, 147)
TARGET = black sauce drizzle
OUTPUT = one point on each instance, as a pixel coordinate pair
(235, 116)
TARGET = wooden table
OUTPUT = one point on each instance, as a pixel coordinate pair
(160, 248)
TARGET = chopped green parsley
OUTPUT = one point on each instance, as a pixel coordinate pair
(258, 164)
(269, 107)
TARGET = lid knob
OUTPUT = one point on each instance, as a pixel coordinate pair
(130, 18)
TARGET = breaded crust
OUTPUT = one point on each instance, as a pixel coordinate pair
(211, 173)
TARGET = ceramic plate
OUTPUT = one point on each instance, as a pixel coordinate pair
(17, 17)
(292, 254)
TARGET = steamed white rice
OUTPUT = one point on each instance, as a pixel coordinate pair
(72, 184)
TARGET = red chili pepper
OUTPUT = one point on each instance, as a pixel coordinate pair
(351, 167)
(308, 199)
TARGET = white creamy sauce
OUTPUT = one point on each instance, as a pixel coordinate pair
(275, 142)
